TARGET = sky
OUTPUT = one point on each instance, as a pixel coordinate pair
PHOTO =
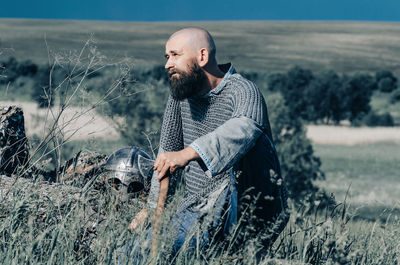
(181, 10)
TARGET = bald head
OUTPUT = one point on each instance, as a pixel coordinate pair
(196, 39)
(191, 63)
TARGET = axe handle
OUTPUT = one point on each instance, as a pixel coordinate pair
(162, 196)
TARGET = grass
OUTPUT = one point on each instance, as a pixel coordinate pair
(36, 230)
(350, 233)
(371, 171)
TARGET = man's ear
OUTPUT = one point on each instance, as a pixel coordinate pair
(204, 57)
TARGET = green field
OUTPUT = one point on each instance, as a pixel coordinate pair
(263, 46)
(369, 171)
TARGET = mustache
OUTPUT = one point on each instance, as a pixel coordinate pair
(173, 71)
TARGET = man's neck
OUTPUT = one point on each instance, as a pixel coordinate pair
(214, 77)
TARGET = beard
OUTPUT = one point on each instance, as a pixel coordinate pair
(188, 83)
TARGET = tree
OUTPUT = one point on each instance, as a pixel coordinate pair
(386, 81)
(358, 95)
(298, 79)
(331, 104)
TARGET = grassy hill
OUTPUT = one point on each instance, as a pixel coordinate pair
(257, 45)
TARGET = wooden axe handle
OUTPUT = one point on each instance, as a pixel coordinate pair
(162, 196)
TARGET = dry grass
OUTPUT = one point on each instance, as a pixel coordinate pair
(345, 135)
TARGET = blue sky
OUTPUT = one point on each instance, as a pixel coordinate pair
(178, 10)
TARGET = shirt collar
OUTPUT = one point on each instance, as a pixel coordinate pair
(229, 70)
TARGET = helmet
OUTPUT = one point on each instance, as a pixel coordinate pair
(129, 171)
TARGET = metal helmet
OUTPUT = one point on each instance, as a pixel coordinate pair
(129, 171)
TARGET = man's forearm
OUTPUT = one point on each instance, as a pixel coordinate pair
(190, 154)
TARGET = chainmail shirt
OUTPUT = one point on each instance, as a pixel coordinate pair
(188, 120)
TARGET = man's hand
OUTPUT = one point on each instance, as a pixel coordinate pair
(170, 161)
(139, 219)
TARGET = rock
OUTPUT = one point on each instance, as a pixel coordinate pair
(13, 142)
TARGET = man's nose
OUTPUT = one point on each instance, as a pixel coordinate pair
(169, 64)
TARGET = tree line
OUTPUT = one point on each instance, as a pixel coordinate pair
(328, 97)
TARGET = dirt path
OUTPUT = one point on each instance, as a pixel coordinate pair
(75, 121)
(322, 134)
(92, 125)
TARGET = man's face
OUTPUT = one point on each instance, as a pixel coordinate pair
(185, 75)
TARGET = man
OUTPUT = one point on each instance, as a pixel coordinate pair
(216, 127)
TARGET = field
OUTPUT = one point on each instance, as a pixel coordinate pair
(369, 171)
(263, 46)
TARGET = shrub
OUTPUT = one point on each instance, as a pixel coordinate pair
(158, 73)
(395, 97)
(386, 81)
(276, 82)
(43, 92)
(374, 119)
(138, 115)
(12, 69)
(300, 167)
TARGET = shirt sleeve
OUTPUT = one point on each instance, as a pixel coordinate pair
(226, 145)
